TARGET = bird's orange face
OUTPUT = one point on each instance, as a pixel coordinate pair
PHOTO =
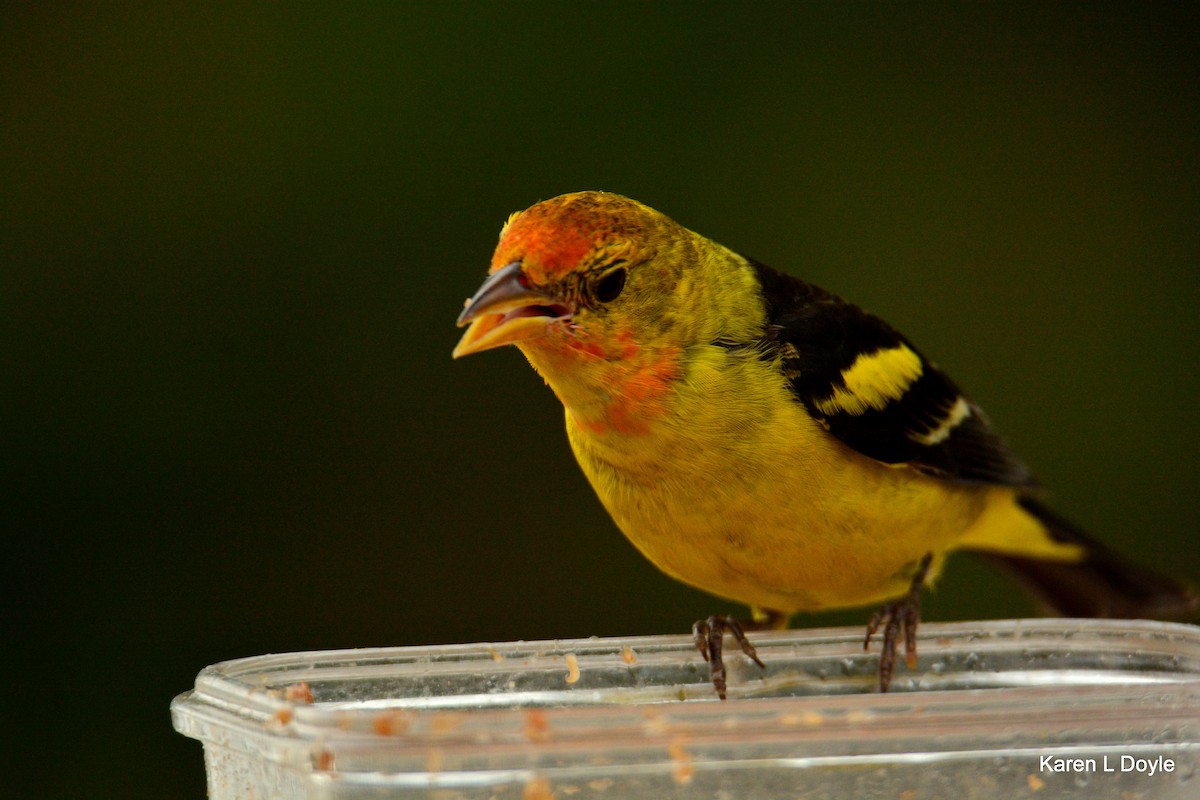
(584, 284)
(556, 275)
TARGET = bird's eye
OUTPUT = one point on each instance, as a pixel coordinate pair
(609, 285)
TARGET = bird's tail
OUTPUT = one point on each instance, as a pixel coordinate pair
(1103, 584)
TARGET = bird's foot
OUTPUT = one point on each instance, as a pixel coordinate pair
(708, 634)
(905, 614)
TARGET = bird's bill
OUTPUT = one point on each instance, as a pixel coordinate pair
(506, 310)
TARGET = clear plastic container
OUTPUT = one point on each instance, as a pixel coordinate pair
(1026, 708)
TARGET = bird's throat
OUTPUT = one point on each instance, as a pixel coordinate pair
(608, 397)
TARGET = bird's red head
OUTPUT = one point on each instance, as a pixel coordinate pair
(603, 295)
(571, 233)
(557, 262)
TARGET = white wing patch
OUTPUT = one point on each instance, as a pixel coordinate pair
(954, 417)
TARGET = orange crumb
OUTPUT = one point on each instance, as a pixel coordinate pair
(390, 723)
(1035, 783)
(682, 770)
(299, 692)
(283, 716)
(325, 761)
(537, 726)
(572, 668)
(445, 721)
(627, 655)
(676, 749)
(810, 718)
(496, 655)
(538, 789)
(655, 724)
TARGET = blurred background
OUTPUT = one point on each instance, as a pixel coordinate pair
(233, 242)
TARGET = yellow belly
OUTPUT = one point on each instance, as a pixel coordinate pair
(743, 495)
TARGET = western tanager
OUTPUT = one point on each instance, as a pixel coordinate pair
(761, 439)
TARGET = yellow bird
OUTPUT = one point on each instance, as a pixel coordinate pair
(763, 440)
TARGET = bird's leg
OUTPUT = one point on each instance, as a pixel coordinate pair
(903, 613)
(708, 634)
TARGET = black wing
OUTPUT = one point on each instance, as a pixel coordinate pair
(874, 391)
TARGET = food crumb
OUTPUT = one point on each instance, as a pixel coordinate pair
(390, 723)
(299, 692)
(682, 770)
(628, 656)
(445, 721)
(1035, 783)
(572, 668)
(325, 760)
(537, 726)
(655, 724)
(538, 789)
(283, 716)
(600, 784)
(810, 718)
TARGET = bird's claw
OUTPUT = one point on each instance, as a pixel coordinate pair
(708, 635)
(903, 614)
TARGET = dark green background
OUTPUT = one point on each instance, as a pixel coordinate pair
(233, 243)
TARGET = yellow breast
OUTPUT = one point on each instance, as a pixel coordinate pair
(738, 491)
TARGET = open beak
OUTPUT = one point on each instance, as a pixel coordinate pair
(505, 310)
